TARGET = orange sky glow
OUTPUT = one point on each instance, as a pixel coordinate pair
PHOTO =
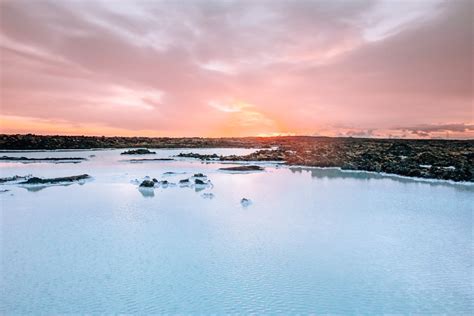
(237, 68)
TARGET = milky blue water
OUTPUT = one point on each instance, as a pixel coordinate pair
(312, 241)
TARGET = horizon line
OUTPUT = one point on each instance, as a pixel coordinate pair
(237, 137)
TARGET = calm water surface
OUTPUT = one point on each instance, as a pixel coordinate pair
(313, 240)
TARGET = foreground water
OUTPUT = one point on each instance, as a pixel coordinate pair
(313, 240)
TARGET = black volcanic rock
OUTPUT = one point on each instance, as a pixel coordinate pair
(148, 160)
(14, 178)
(243, 168)
(48, 159)
(400, 148)
(147, 184)
(199, 156)
(36, 180)
(199, 182)
(427, 158)
(245, 202)
(140, 151)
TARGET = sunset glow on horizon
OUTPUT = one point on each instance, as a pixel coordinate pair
(237, 68)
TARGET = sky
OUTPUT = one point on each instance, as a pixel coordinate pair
(237, 68)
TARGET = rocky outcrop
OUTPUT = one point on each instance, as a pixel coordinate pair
(199, 156)
(260, 155)
(148, 160)
(199, 182)
(36, 180)
(14, 179)
(147, 184)
(243, 168)
(140, 151)
(25, 159)
(245, 202)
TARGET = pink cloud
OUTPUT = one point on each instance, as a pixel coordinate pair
(304, 67)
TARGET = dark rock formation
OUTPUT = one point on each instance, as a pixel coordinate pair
(36, 180)
(147, 184)
(199, 182)
(199, 156)
(34, 142)
(25, 159)
(148, 160)
(260, 155)
(14, 178)
(140, 151)
(400, 148)
(245, 202)
(243, 168)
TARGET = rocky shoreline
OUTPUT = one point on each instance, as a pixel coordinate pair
(54, 142)
(429, 159)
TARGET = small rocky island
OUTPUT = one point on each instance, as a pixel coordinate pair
(148, 160)
(244, 168)
(45, 181)
(36, 180)
(140, 151)
(47, 159)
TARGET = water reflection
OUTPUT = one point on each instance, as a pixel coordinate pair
(147, 192)
(199, 188)
(334, 173)
(37, 188)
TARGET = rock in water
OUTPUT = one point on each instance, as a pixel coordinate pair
(208, 195)
(199, 181)
(245, 202)
(163, 183)
(147, 184)
(198, 156)
(243, 168)
(36, 180)
(14, 178)
(138, 152)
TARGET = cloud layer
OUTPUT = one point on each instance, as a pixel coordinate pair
(237, 68)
